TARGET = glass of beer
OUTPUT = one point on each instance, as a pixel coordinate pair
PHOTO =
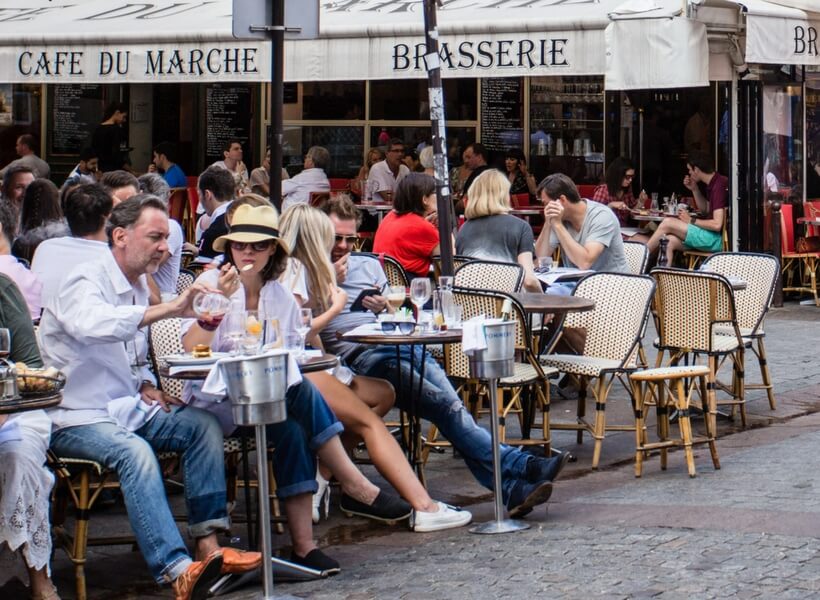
(396, 296)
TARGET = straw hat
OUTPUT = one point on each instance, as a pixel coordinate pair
(252, 224)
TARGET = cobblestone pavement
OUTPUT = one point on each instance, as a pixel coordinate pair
(749, 530)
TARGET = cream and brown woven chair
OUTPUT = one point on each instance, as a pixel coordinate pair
(490, 275)
(760, 272)
(695, 313)
(613, 329)
(185, 279)
(395, 273)
(637, 255)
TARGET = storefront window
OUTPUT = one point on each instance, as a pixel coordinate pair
(783, 140)
(19, 114)
(408, 100)
(343, 143)
(333, 100)
(415, 138)
(813, 137)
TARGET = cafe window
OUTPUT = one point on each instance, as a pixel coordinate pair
(813, 137)
(408, 100)
(782, 158)
(333, 100)
(19, 114)
(343, 143)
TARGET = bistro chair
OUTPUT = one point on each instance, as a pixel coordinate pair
(695, 257)
(760, 272)
(799, 268)
(177, 202)
(339, 185)
(637, 256)
(695, 314)
(458, 260)
(490, 275)
(185, 279)
(613, 329)
(392, 268)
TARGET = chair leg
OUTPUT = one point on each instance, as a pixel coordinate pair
(764, 372)
(741, 384)
(662, 410)
(600, 420)
(710, 410)
(546, 434)
(81, 533)
(685, 425)
(637, 393)
(582, 407)
(711, 434)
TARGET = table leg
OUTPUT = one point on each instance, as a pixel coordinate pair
(264, 509)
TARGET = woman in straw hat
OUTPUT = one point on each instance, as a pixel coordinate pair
(254, 246)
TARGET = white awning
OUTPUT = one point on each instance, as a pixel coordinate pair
(376, 39)
(115, 41)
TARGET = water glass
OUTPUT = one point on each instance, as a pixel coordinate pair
(5, 342)
(293, 343)
(272, 336)
(544, 264)
(445, 282)
(234, 328)
(454, 321)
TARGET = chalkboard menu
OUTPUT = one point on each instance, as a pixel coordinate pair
(76, 109)
(502, 109)
(228, 112)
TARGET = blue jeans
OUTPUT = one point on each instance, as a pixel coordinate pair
(197, 436)
(440, 404)
(310, 424)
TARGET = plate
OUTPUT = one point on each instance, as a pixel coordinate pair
(190, 361)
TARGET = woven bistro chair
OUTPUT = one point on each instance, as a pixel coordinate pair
(393, 270)
(613, 330)
(695, 257)
(490, 275)
(695, 312)
(458, 260)
(185, 279)
(760, 272)
(528, 373)
(637, 256)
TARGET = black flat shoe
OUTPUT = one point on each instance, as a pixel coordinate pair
(318, 560)
(385, 508)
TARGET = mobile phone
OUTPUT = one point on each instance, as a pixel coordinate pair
(357, 303)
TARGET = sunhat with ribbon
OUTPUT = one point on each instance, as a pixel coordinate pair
(252, 224)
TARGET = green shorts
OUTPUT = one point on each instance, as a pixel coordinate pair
(698, 238)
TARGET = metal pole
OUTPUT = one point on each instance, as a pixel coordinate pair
(264, 510)
(277, 75)
(446, 216)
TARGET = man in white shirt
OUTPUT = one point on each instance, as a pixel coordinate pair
(168, 272)
(113, 414)
(232, 161)
(25, 150)
(86, 209)
(312, 179)
(385, 175)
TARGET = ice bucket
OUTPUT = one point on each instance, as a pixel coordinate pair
(496, 361)
(256, 387)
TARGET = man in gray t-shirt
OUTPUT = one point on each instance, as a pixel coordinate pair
(588, 232)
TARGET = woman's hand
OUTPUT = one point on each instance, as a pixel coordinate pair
(228, 282)
(338, 299)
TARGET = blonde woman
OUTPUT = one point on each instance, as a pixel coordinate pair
(310, 234)
(492, 234)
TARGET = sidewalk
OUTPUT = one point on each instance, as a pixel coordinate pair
(748, 530)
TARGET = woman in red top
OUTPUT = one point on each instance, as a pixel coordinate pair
(408, 232)
(617, 191)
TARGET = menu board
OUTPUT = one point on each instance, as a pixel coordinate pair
(76, 109)
(228, 112)
(502, 110)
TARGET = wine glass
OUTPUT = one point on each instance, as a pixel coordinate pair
(396, 295)
(234, 328)
(305, 321)
(420, 291)
(5, 343)
(211, 307)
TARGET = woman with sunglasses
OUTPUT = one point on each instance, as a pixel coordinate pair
(616, 192)
(255, 257)
(310, 234)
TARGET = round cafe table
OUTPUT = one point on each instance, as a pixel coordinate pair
(449, 336)
(309, 365)
(33, 402)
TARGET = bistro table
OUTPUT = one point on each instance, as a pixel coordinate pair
(449, 336)
(33, 402)
(653, 216)
(308, 365)
(378, 208)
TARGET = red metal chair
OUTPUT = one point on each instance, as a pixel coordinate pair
(520, 200)
(801, 264)
(586, 190)
(339, 185)
(176, 204)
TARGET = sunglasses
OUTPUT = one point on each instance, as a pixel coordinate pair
(404, 327)
(255, 246)
(347, 239)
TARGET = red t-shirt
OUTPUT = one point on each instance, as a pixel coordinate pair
(408, 238)
(716, 193)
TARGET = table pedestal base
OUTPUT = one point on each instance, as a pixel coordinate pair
(500, 526)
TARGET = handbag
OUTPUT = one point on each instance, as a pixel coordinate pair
(809, 244)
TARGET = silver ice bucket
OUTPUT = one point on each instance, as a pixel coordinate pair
(497, 360)
(256, 388)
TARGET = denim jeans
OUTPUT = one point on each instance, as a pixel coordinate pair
(310, 424)
(197, 436)
(440, 404)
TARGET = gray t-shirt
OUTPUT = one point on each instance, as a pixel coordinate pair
(495, 237)
(600, 225)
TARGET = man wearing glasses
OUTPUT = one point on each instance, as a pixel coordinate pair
(385, 175)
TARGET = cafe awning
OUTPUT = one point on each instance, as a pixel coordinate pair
(120, 41)
(375, 39)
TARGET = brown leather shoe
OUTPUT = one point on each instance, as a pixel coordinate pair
(240, 561)
(197, 579)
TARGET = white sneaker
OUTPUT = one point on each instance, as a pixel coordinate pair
(447, 517)
(321, 499)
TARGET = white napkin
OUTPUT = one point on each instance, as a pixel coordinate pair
(131, 412)
(473, 337)
(215, 387)
(204, 369)
(10, 431)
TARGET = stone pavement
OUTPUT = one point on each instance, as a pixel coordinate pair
(749, 530)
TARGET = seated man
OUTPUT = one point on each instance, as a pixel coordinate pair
(525, 478)
(681, 231)
(121, 185)
(87, 170)
(588, 232)
(29, 284)
(312, 178)
(216, 191)
(112, 413)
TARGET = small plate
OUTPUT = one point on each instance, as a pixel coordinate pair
(190, 361)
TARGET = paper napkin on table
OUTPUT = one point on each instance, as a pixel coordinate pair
(214, 385)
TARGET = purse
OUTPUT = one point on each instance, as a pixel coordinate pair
(807, 244)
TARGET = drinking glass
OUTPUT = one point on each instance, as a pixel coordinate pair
(293, 343)
(5, 343)
(420, 291)
(305, 320)
(253, 332)
(234, 327)
(445, 282)
(544, 264)
(211, 307)
(396, 295)
(272, 334)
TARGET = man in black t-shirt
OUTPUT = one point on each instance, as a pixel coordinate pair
(216, 191)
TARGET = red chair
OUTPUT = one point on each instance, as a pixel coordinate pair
(811, 210)
(520, 200)
(176, 204)
(586, 190)
(803, 265)
(339, 185)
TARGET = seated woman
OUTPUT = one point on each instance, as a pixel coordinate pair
(310, 234)
(408, 232)
(521, 181)
(41, 218)
(311, 429)
(490, 233)
(616, 192)
(25, 483)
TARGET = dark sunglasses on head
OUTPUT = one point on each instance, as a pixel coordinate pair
(347, 239)
(404, 327)
(255, 246)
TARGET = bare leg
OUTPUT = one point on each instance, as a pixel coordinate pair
(353, 482)
(40, 583)
(298, 509)
(674, 245)
(669, 227)
(384, 450)
(378, 394)
(206, 545)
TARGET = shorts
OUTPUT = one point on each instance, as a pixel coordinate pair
(698, 238)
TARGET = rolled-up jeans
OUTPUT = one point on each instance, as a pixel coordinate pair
(197, 436)
(440, 404)
(310, 424)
